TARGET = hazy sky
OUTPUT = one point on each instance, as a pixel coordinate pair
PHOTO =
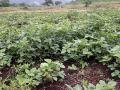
(37, 2)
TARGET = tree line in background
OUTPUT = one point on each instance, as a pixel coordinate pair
(6, 3)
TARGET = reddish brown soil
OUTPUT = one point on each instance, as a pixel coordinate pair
(91, 74)
(52, 86)
(118, 85)
(6, 72)
(94, 73)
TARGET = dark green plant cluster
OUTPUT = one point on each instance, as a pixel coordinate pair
(27, 40)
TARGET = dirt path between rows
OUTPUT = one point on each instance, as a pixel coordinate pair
(43, 11)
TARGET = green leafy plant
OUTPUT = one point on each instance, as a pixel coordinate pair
(102, 85)
(76, 49)
(27, 77)
(73, 67)
(115, 52)
(4, 59)
(12, 86)
(52, 70)
(83, 64)
(115, 71)
(48, 71)
(77, 87)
